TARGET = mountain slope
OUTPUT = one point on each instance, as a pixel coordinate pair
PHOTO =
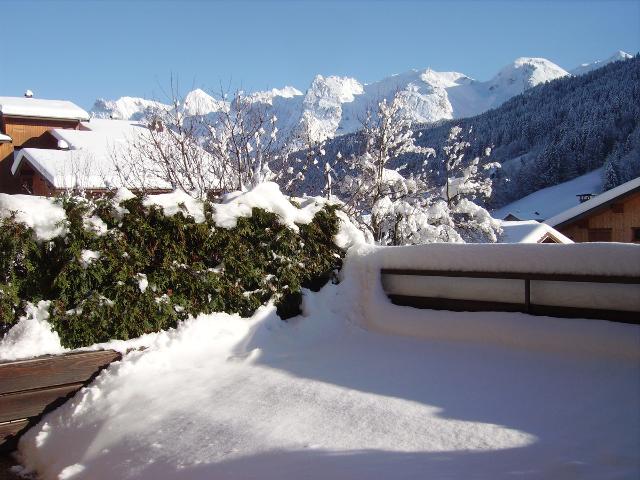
(336, 105)
(557, 131)
(589, 67)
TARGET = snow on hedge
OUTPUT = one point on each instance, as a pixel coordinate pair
(177, 201)
(267, 196)
(42, 214)
(32, 335)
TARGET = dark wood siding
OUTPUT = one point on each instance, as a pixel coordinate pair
(619, 219)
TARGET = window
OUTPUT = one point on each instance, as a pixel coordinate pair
(599, 235)
(635, 234)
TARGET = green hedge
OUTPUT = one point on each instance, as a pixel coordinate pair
(190, 268)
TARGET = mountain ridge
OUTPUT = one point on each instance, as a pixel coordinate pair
(334, 105)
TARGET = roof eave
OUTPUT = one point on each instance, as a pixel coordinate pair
(24, 156)
(40, 117)
(594, 209)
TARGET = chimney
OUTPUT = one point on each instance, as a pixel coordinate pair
(28, 94)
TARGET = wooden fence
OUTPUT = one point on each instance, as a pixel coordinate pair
(30, 388)
(615, 298)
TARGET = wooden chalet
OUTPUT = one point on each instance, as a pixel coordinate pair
(25, 122)
(612, 216)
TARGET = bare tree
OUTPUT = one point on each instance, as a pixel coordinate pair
(244, 141)
(230, 148)
(169, 153)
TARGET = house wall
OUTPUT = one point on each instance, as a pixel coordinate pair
(25, 133)
(32, 132)
(621, 217)
(6, 159)
(31, 182)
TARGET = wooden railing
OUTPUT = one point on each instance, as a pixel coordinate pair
(620, 294)
(30, 388)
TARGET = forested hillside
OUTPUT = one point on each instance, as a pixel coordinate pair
(549, 134)
(557, 131)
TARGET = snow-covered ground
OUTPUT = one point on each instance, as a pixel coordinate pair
(321, 397)
(334, 393)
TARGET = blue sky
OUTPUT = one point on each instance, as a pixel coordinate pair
(81, 50)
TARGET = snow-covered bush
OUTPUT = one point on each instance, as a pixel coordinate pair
(20, 256)
(378, 198)
(125, 268)
(465, 184)
(397, 209)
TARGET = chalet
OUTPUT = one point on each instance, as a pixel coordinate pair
(530, 231)
(80, 159)
(25, 122)
(612, 216)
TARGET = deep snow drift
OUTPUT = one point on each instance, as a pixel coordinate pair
(320, 397)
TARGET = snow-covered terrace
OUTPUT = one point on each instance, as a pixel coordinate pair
(359, 388)
(41, 108)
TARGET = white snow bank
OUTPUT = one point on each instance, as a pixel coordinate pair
(317, 397)
(31, 334)
(268, 197)
(40, 213)
(587, 337)
(577, 258)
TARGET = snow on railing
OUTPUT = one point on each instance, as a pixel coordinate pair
(483, 292)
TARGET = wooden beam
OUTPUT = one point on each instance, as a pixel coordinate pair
(552, 277)
(50, 371)
(456, 305)
(9, 433)
(22, 405)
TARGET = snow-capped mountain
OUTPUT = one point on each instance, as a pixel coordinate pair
(335, 105)
(125, 108)
(199, 102)
(587, 67)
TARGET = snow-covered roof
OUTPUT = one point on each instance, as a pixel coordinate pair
(64, 168)
(551, 201)
(594, 203)
(4, 138)
(40, 108)
(530, 231)
(88, 162)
